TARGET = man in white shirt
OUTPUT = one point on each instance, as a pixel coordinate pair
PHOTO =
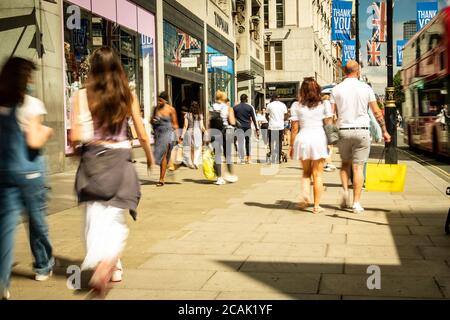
(277, 112)
(351, 100)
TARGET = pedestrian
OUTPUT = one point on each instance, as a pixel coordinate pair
(351, 100)
(329, 166)
(222, 135)
(106, 182)
(263, 124)
(22, 170)
(246, 115)
(309, 141)
(165, 125)
(277, 112)
(193, 134)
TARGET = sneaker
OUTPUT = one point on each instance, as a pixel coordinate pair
(344, 200)
(327, 168)
(220, 182)
(357, 208)
(231, 178)
(43, 277)
(240, 161)
(6, 295)
(117, 275)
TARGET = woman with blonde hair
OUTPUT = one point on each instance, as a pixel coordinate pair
(222, 136)
(308, 140)
(106, 182)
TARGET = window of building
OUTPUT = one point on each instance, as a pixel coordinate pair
(280, 13)
(266, 14)
(278, 55)
(267, 57)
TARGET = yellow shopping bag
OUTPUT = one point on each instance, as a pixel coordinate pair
(208, 164)
(385, 177)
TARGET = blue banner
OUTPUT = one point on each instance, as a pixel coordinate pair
(348, 51)
(341, 24)
(425, 13)
(400, 46)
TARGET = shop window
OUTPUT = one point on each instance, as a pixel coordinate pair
(136, 51)
(220, 74)
(182, 49)
(280, 13)
(278, 55)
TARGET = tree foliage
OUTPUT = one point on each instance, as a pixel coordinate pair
(399, 94)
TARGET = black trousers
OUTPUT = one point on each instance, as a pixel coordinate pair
(276, 144)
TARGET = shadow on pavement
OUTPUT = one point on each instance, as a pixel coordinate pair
(201, 181)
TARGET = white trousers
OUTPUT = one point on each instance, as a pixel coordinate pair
(106, 233)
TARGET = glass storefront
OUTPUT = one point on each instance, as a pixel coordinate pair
(181, 49)
(220, 74)
(131, 34)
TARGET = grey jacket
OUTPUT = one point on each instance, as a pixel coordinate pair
(108, 175)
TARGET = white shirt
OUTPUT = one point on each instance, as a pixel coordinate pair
(261, 118)
(276, 111)
(224, 111)
(310, 117)
(31, 107)
(352, 98)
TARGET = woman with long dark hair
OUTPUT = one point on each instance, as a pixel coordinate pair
(107, 181)
(310, 145)
(22, 170)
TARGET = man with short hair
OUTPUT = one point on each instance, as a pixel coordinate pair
(277, 112)
(351, 100)
(245, 114)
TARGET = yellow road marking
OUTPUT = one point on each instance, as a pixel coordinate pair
(424, 161)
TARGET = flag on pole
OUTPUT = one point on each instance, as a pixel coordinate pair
(373, 54)
(379, 22)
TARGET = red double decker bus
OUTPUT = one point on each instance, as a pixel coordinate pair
(426, 82)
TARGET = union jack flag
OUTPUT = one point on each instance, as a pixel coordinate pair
(379, 22)
(373, 54)
(185, 43)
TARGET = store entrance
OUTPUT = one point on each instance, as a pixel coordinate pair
(182, 93)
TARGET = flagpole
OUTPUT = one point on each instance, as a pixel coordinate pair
(390, 113)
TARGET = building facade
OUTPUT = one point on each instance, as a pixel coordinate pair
(297, 45)
(409, 29)
(186, 47)
(249, 22)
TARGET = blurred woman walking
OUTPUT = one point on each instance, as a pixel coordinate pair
(106, 181)
(193, 132)
(309, 115)
(22, 170)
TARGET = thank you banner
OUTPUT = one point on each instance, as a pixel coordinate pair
(341, 21)
(348, 51)
(425, 13)
(400, 47)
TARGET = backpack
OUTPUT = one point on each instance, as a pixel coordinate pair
(215, 120)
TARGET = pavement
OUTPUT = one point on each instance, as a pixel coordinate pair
(246, 241)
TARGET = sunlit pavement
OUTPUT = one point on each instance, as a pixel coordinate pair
(195, 240)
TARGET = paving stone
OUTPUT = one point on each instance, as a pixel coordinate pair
(194, 262)
(293, 264)
(141, 294)
(192, 247)
(427, 230)
(432, 221)
(275, 227)
(444, 284)
(222, 226)
(226, 236)
(357, 251)
(435, 253)
(310, 238)
(441, 241)
(263, 281)
(371, 230)
(391, 286)
(252, 296)
(282, 249)
(387, 240)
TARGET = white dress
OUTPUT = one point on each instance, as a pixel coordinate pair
(311, 142)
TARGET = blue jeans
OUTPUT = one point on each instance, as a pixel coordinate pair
(19, 192)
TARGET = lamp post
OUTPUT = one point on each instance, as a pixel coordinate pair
(390, 113)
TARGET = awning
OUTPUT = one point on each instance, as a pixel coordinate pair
(245, 76)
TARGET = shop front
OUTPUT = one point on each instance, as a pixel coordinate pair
(220, 75)
(120, 24)
(286, 91)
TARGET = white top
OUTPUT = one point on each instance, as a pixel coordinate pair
(276, 111)
(31, 107)
(261, 118)
(310, 117)
(224, 111)
(352, 98)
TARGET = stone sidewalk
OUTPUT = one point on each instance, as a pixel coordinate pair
(194, 240)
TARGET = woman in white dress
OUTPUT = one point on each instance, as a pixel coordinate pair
(308, 139)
